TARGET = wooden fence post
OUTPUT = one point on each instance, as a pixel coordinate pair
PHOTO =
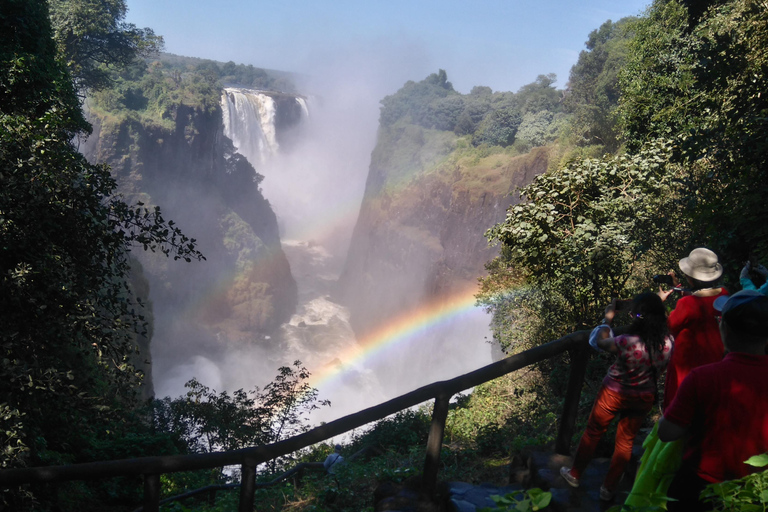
(435, 444)
(579, 359)
(247, 487)
(151, 492)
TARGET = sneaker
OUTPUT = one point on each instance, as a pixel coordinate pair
(605, 494)
(568, 477)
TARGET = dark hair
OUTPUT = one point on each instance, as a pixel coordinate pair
(649, 321)
(697, 284)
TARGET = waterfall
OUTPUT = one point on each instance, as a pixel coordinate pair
(249, 120)
(305, 183)
(303, 104)
(314, 184)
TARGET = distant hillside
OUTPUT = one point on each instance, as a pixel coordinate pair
(444, 170)
(232, 74)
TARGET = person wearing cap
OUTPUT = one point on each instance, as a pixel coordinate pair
(692, 323)
(722, 408)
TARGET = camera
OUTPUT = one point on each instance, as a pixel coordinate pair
(663, 279)
(623, 304)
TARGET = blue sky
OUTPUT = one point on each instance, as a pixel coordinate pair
(503, 44)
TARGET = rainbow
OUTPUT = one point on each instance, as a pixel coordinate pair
(400, 330)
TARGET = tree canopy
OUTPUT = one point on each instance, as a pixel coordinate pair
(593, 87)
(69, 312)
(92, 36)
(489, 118)
(703, 79)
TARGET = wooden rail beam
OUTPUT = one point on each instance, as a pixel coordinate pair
(247, 488)
(152, 467)
(152, 492)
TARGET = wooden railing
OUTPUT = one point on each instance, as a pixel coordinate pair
(249, 458)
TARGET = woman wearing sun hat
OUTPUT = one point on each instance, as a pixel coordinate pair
(693, 323)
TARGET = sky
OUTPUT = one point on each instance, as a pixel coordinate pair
(502, 44)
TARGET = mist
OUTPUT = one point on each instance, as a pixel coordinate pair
(315, 183)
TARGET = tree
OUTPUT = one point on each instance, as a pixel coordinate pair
(539, 95)
(593, 87)
(498, 128)
(209, 421)
(540, 128)
(415, 102)
(92, 36)
(657, 76)
(591, 231)
(702, 78)
(69, 313)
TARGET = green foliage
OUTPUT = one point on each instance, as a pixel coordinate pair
(541, 127)
(503, 415)
(702, 79)
(531, 499)
(418, 103)
(92, 36)
(492, 118)
(406, 151)
(209, 421)
(745, 494)
(591, 231)
(657, 75)
(397, 433)
(593, 86)
(539, 95)
(152, 93)
(69, 315)
(522, 315)
(498, 128)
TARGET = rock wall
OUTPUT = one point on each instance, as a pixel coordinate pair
(422, 237)
(244, 290)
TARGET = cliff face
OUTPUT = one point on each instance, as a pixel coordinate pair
(244, 290)
(420, 232)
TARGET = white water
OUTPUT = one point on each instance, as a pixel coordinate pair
(249, 120)
(316, 192)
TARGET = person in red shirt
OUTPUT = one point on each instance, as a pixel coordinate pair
(692, 322)
(722, 407)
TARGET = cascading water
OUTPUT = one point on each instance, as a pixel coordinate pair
(304, 107)
(305, 186)
(320, 331)
(249, 120)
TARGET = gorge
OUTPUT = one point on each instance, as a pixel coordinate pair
(367, 279)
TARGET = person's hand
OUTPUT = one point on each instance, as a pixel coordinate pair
(745, 271)
(610, 311)
(663, 294)
(762, 270)
(675, 280)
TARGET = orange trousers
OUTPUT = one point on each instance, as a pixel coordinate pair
(631, 410)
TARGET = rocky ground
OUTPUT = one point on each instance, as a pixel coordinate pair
(542, 472)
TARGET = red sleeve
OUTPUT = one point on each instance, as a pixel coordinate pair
(683, 408)
(679, 316)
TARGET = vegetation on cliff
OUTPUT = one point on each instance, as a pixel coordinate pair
(150, 90)
(531, 116)
(69, 315)
(692, 116)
